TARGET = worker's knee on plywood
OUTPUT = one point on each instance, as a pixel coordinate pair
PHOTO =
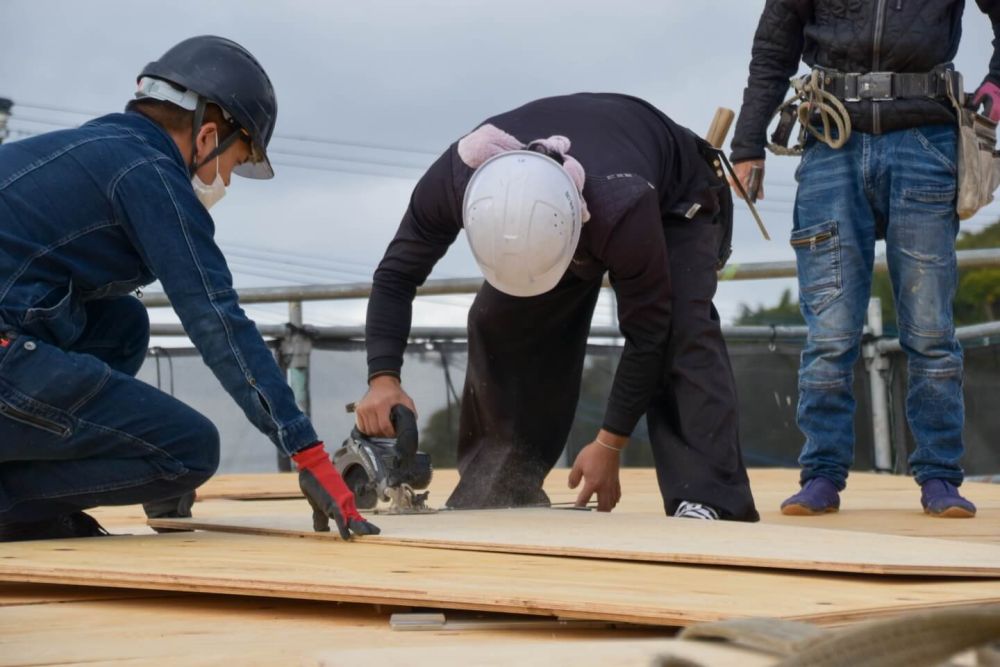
(199, 451)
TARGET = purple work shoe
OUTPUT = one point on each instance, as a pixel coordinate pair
(941, 498)
(817, 496)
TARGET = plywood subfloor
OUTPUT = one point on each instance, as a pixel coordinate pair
(17, 594)
(888, 504)
(640, 537)
(226, 630)
(512, 583)
(251, 486)
(641, 653)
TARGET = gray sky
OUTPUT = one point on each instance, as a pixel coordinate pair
(408, 76)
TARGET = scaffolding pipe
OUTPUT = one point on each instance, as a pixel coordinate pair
(985, 331)
(877, 363)
(967, 259)
(357, 333)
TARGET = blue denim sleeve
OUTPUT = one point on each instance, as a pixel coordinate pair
(174, 233)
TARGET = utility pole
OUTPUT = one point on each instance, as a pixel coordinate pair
(5, 107)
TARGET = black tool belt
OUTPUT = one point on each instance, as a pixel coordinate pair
(882, 86)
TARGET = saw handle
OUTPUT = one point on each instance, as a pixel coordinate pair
(405, 423)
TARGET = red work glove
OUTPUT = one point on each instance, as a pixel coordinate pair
(329, 496)
(988, 95)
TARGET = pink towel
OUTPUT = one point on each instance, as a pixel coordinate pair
(479, 146)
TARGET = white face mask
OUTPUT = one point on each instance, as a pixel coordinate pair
(209, 195)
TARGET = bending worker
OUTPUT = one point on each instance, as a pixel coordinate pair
(893, 177)
(86, 217)
(552, 195)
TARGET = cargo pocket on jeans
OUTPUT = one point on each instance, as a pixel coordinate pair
(817, 257)
(23, 415)
(59, 323)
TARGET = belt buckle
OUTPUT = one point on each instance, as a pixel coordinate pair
(876, 86)
(851, 87)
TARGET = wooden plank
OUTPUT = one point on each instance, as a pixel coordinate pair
(226, 630)
(380, 574)
(641, 537)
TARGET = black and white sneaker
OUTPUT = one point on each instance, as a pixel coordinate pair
(77, 524)
(690, 510)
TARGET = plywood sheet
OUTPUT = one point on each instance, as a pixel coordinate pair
(14, 594)
(381, 574)
(888, 504)
(607, 653)
(225, 630)
(642, 537)
(251, 486)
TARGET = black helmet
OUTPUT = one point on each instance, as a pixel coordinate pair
(221, 71)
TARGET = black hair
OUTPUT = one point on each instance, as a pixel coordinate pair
(539, 147)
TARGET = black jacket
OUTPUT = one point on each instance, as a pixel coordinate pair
(641, 166)
(853, 36)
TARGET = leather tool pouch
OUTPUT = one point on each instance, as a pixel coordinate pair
(978, 162)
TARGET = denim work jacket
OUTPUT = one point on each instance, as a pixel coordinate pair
(98, 211)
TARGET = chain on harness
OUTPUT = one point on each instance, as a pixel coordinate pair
(810, 102)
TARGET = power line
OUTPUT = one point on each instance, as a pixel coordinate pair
(286, 137)
(357, 144)
(296, 269)
(51, 107)
(271, 151)
(284, 163)
(298, 256)
(258, 273)
(322, 261)
(305, 276)
(41, 121)
(353, 172)
(334, 158)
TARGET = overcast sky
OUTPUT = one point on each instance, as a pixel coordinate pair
(369, 92)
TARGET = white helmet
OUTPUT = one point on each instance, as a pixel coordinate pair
(522, 216)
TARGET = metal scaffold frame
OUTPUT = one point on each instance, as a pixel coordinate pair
(296, 338)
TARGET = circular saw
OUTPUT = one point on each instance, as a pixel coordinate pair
(390, 470)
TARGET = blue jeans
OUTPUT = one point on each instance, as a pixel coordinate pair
(904, 182)
(77, 430)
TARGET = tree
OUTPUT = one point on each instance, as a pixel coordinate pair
(439, 436)
(977, 299)
(786, 312)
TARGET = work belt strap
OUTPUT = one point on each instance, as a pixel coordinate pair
(883, 86)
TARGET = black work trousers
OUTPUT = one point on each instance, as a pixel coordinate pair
(522, 385)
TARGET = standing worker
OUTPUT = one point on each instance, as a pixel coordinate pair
(589, 183)
(86, 217)
(889, 173)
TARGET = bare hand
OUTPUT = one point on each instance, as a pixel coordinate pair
(597, 466)
(372, 412)
(742, 170)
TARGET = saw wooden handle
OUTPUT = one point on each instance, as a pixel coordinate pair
(719, 129)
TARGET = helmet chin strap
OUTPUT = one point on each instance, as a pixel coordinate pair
(199, 119)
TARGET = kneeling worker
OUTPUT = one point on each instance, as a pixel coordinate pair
(551, 196)
(87, 216)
